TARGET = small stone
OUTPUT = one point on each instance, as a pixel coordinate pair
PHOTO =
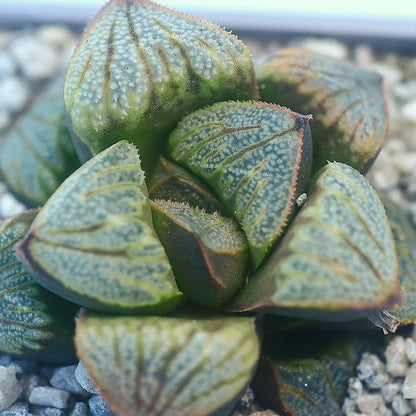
(30, 382)
(10, 206)
(409, 384)
(400, 406)
(63, 378)
(46, 411)
(7, 65)
(80, 409)
(49, 396)
(36, 58)
(355, 414)
(5, 360)
(372, 371)
(405, 162)
(18, 409)
(406, 90)
(396, 360)
(349, 405)
(412, 403)
(411, 350)
(98, 407)
(14, 94)
(367, 403)
(389, 391)
(384, 174)
(355, 387)
(11, 385)
(330, 47)
(409, 111)
(363, 55)
(57, 36)
(391, 74)
(84, 379)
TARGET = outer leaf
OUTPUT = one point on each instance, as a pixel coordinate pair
(173, 183)
(405, 239)
(208, 253)
(168, 366)
(38, 154)
(347, 103)
(93, 242)
(338, 256)
(256, 157)
(34, 323)
(141, 67)
(310, 381)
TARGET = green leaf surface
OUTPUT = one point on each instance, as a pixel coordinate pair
(165, 366)
(140, 68)
(93, 242)
(405, 239)
(37, 154)
(306, 374)
(337, 257)
(255, 156)
(172, 182)
(34, 323)
(208, 252)
(347, 103)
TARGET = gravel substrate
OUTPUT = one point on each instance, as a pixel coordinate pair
(385, 385)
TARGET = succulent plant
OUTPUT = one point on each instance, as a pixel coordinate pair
(201, 221)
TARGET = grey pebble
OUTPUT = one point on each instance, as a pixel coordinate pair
(64, 378)
(11, 385)
(372, 371)
(80, 409)
(14, 94)
(396, 360)
(355, 387)
(30, 382)
(47, 411)
(400, 406)
(49, 396)
(18, 409)
(389, 391)
(99, 407)
(409, 384)
(84, 379)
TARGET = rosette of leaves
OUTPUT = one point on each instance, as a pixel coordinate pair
(187, 224)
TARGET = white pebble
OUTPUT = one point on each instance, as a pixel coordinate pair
(406, 90)
(5, 118)
(355, 387)
(7, 65)
(330, 47)
(36, 58)
(405, 162)
(400, 406)
(391, 74)
(84, 379)
(409, 111)
(363, 55)
(389, 391)
(56, 35)
(49, 396)
(411, 350)
(10, 206)
(14, 94)
(409, 385)
(368, 403)
(372, 371)
(396, 360)
(11, 385)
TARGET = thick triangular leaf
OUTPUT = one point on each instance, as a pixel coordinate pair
(256, 157)
(172, 182)
(348, 106)
(306, 374)
(37, 154)
(141, 67)
(337, 257)
(405, 239)
(164, 366)
(93, 242)
(34, 323)
(208, 252)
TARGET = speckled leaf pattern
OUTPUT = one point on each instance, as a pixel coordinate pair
(172, 182)
(208, 252)
(141, 67)
(255, 156)
(93, 241)
(168, 366)
(37, 154)
(405, 239)
(34, 323)
(347, 103)
(310, 381)
(337, 257)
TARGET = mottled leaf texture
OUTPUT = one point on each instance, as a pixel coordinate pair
(37, 154)
(141, 67)
(348, 106)
(295, 380)
(93, 242)
(165, 366)
(34, 323)
(405, 239)
(337, 257)
(208, 252)
(255, 156)
(172, 182)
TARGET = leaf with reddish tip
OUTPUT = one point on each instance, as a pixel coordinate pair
(141, 67)
(348, 105)
(37, 154)
(168, 366)
(93, 242)
(35, 323)
(172, 182)
(208, 253)
(255, 156)
(337, 258)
